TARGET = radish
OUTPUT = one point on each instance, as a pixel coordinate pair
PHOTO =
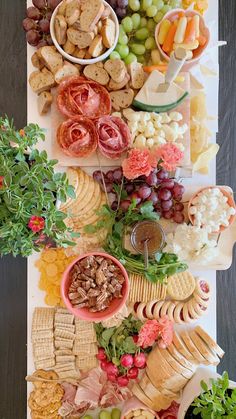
(135, 338)
(123, 381)
(111, 369)
(103, 365)
(127, 360)
(112, 378)
(101, 355)
(140, 360)
(132, 374)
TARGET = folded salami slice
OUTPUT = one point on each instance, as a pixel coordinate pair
(77, 137)
(113, 136)
(79, 96)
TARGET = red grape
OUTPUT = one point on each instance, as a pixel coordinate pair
(52, 4)
(49, 40)
(168, 214)
(126, 360)
(29, 24)
(164, 194)
(152, 179)
(158, 207)
(178, 191)
(166, 205)
(144, 192)
(117, 175)
(178, 217)
(101, 355)
(97, 175)
(124, 205)
(154, 198)
(109, 175)
(120, 12)
(112, 3)
(162, 174)
(44, 25)
(132, 374)
(48, 15)
(179, 206)
(33, 13)
(109, 187)
(122, 3)
(40, 4)
(129, 187)
(114, 205)
(136, 196)
(33, 37)
(123, 381)
(42, 43)
(168, 184)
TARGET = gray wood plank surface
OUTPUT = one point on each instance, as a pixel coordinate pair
(13, 295)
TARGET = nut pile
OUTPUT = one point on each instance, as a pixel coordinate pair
(95, 282)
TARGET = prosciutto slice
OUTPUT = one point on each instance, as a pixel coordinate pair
(79, 96)
(171, 412)
(77, 137)
(113, 136)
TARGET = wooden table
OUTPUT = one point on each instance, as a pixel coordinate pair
(13, 306)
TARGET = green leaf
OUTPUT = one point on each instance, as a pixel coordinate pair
(129, 346)
(70, 190)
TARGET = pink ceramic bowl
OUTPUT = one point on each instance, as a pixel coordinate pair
(230, 202)
(197, 54)
(83, 313)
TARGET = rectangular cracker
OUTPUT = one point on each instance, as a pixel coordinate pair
(45, 363)
(65, 358)
(85, 349)
(65, 334)
(63, 343)
(64, 318)
(43, 318)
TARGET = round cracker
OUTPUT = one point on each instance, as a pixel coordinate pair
(181, 285)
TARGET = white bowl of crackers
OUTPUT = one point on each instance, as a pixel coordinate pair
(84, 32)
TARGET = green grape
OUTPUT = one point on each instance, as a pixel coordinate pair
(127, 24)
(143, 22)
(142, 33)
(136, 18)
(130, 58)
(104, 414)
(150, 43)
(165, 9)
(158, 3)
(114, 55)
(151, 25)
(121, 30)
(151, 11)
(123, 39)
(115, 413)
(134, 5)
(87, 417)
(146, 4)
(138, 49)
(157, 18)
(141, 59)
(175, 4)
(123, 50)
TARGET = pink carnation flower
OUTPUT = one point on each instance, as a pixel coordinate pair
(166, 331)
(170, 154)
(152, 330)
(139, 162)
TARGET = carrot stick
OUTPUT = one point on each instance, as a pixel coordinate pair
(168, 43)
(181, 14)
(190, 32)
(202, 40)
(159, 67)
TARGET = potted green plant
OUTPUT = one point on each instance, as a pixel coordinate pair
(208, 396)
(29, 191)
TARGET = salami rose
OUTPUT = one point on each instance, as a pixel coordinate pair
(113, 136)
(77, 137)
(79, 96)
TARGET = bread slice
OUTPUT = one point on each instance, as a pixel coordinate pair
(44, 102)
(204, 349)
(116, 69)
(96, 47)
(62, 8)
(118, 86)
(108, 32)
(36, 61)
(182, 348)
(94, 72)
(79, 53)
(136, 72)
(41, 80)
(139, 393)
(81, 39)
(91, 12)
(51, 58)
(66, 70)
(72, 12)
(192, 348)
(209, 341)
(174, 383)
(60, 27)
(179, 368)
(69, 48)
(160, 401)
(164, 370)
(181, 359)
(121, 99)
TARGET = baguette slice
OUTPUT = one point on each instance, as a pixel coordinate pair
(204, 349)
(118, 86)
(60, 26)
(44, 102)
(51, 58)
(66, 70)
(69, 48)
(41, 80)
(121, 99)
(192, 348)
(97, 73)
(96, 47)
(160, 400)
(91, 12)
(174, 383)
(81, 39)
(108, 32)
(62, 8)
(116, 69)
(209, 341)
(72, 12)
(137, 75)
(79, 53)
(182, 348)
(36, 61)
(181, 359)
(164, 370)
(175, 364)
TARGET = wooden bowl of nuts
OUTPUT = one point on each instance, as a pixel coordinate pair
(84, 32)
(95, 286)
